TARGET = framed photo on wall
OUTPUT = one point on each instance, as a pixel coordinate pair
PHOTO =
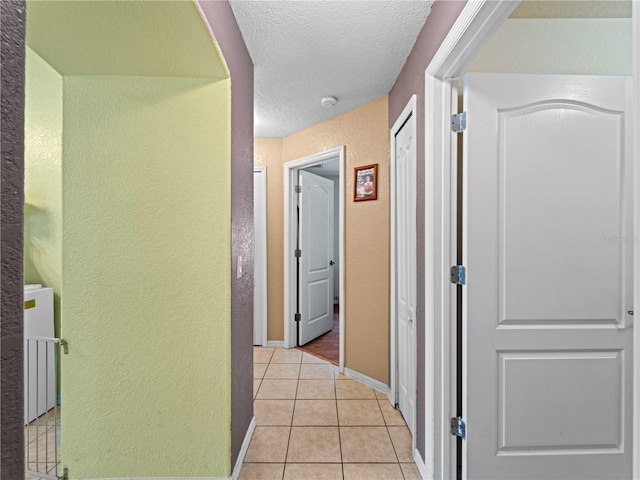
(365, 185)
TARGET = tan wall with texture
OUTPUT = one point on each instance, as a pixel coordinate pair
(268, 152)
(365, 135)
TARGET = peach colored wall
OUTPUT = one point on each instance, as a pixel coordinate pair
(268, 152)
(365, 134)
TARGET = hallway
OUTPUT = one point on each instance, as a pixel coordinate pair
(313, 423)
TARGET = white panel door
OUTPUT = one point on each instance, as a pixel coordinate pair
(405, 213)
(547, 362)
(260, 256)
(316, 262)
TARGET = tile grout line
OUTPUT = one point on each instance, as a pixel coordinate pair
(393, 445)
(335, 391)
(386, 423)
(384, 419)
(286, 453)
(254, 399)
(293, 412)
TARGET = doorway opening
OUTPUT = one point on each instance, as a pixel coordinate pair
(314, 255)
(327, 345)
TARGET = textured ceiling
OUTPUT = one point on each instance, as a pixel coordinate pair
(304, 50)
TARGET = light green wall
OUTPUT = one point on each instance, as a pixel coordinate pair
(123, 37)
(145, 182)
(43, 177)
(573, 46)
(146, 277)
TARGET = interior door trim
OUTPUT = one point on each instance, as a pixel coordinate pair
(263, 251)
(474, 27)
(290, 180)
(636, 227)
(409, 110)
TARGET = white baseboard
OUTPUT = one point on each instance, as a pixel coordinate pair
(164, 478)
(422, 468)
(370, 382)
(275, 343)
(236, 469)
(243, 450)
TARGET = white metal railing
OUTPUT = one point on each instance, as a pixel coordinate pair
(41, 409)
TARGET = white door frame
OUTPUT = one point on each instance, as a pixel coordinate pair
(262, 248)
(409, 110)
(290, 180)
(476, 24)
(636, 230)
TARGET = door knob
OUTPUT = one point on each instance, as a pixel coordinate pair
(331, 262)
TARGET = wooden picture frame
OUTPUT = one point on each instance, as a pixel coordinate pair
(365, 183)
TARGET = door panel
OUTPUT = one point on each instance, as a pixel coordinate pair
(316, 244)
(524, 383)
(405, 214)
(569, 194)
(547, 214)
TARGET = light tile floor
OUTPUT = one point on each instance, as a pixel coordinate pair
(40, 444)
(315, 424)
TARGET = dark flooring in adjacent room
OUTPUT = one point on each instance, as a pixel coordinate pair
(327, 346)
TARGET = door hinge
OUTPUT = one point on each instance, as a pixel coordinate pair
(459, 122)
(297, 317)
(458, 427)
(458, 275)
(298, 253)
(298, 188)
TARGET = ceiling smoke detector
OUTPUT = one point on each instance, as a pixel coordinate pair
(328, 102)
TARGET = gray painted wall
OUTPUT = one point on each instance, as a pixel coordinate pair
(225, 28)
(411, 81)
(12, 53)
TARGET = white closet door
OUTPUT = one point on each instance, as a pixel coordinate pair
(548, 249)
